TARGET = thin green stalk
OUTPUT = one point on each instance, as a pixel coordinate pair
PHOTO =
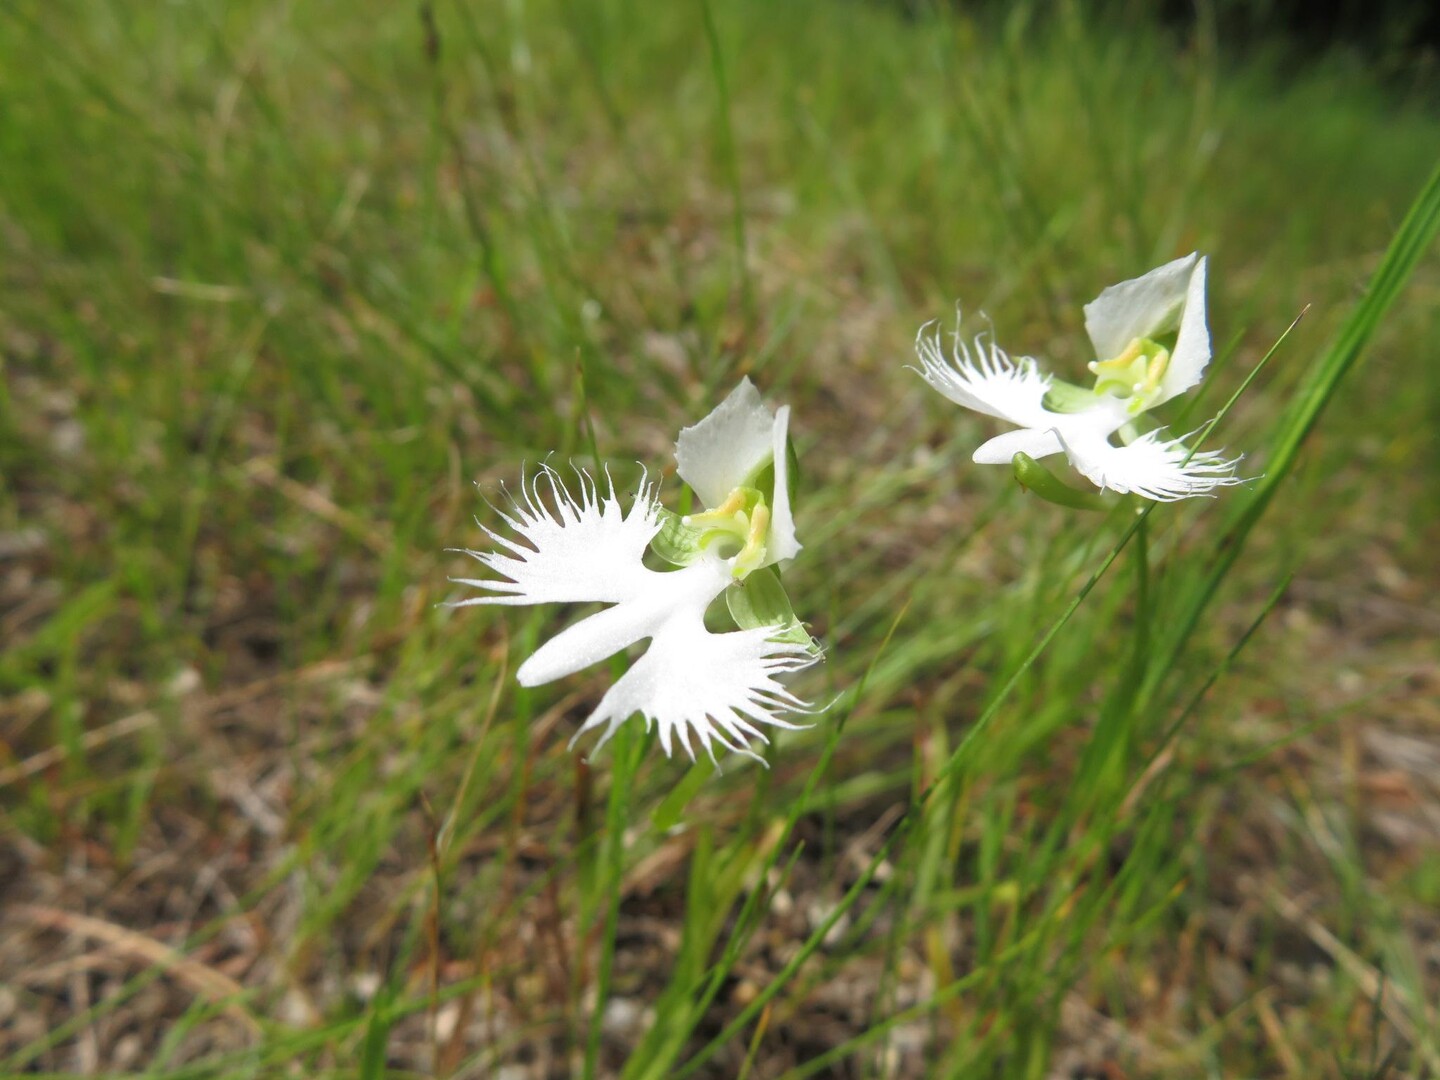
(736, 942)
(1224, 666)
(1143, 600)
(987, 717)
(628, 748)
(912, 814)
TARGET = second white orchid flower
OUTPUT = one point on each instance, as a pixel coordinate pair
(1151, 342)
(722, 688)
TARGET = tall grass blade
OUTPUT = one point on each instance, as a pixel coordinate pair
(1414, 237)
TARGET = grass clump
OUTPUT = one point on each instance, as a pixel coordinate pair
(1142, 795)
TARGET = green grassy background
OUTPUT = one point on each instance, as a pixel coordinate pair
(278, 281)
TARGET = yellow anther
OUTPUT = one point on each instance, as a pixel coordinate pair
(753, 553)
(1118, 364)
(742, 521)
(1154, 372)
(1135, 373)
(725, 516)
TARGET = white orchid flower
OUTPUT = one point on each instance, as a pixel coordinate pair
(1152, 344)
(722, 688)
(721, 458)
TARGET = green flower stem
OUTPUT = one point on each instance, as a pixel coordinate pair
(629, 745)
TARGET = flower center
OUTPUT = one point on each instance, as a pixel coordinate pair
(740, 526)
(1134, 374)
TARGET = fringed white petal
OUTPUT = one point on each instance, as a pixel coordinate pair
(640, 615)
(1142, 307)
(722, 689)
(782, 543)
(722, 451)
(587, 550)
(984, 378)
(584, 549)
(1151, 466)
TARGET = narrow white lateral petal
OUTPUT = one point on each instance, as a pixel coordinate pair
(720, 688)
(1151, 466)
(578, 549)
(979, 375)
(781, 544)
(1191, 354)
(1001, 449)
(1142, 307)
(641, 615)
(722, 451)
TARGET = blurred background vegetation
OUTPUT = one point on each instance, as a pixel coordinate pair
(279, 281)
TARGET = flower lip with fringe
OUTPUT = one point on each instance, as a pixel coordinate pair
(722, 688)
(1152, 343)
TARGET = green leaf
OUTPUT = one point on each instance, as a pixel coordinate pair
(1035, 477)
(760, 601)
(1063, 397)
(677, 543)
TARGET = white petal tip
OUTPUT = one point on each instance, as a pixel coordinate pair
(721, 689)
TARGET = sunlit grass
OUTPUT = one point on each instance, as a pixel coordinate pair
(280, 281)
